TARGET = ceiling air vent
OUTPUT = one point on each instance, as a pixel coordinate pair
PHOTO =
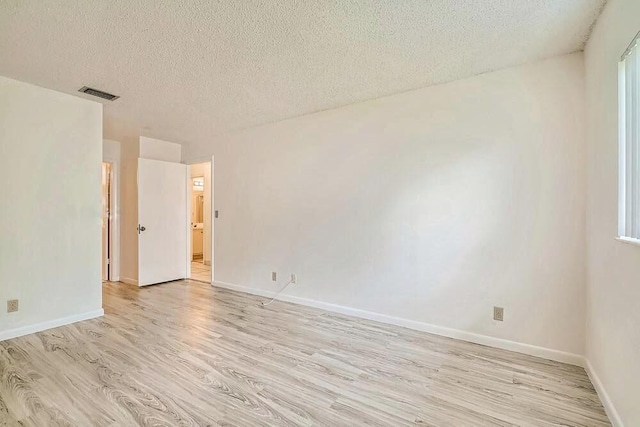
(98, 93)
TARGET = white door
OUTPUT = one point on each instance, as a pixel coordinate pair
(162, 219)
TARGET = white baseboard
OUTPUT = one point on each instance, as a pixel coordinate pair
(543, 352)
(129, 281)
(532, 350)
(611, 411)
(43, 326)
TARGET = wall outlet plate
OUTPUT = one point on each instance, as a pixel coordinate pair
(12, 305)
(498, 314)
(294, 278)
(274, 276)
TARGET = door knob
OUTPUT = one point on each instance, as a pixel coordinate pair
(141, 228)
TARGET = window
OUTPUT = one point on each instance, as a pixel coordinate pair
(629, 143)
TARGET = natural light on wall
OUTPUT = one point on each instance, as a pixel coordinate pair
(629, 143)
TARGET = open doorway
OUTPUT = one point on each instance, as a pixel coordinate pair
(107, 228)
(200, 222)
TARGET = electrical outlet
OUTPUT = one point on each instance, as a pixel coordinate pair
(12, 305)
(294, 278)
(498, 314)
(274, 276)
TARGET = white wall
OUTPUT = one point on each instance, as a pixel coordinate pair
(156, 149)
(110, 150)
(433, 205)
(613, 318)
(50, 229)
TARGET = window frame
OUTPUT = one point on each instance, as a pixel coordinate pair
(624, 151)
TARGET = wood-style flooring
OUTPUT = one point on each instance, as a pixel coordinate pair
(200, 271)
(185, 353)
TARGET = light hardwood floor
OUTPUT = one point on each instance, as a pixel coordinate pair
(200, 271)
(184, 353)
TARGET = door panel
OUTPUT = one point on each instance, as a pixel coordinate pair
(162, 216)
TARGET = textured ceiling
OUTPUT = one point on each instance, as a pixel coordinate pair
(187, 71)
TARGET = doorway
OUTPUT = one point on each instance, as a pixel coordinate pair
(200, 223)
(107, 227)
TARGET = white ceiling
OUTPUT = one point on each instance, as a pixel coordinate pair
(187, 71)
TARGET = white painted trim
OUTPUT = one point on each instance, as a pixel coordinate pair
(532, 350)
(611, 411)
(129, 281)
(196, 160)
(43, 326)
(212, 189)
(114, 239)
(188, 224)
(628, 240)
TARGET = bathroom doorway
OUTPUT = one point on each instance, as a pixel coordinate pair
(200, 222)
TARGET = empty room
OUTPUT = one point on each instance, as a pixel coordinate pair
(321, 213)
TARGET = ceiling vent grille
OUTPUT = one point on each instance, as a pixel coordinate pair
(98, 93)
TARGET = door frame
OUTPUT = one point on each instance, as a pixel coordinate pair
(188, 216)
(114, 217)
(211, 213)
(213, 219)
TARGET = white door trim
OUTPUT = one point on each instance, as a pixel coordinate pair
(114, 218)
(213, 219)
(188, 224)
